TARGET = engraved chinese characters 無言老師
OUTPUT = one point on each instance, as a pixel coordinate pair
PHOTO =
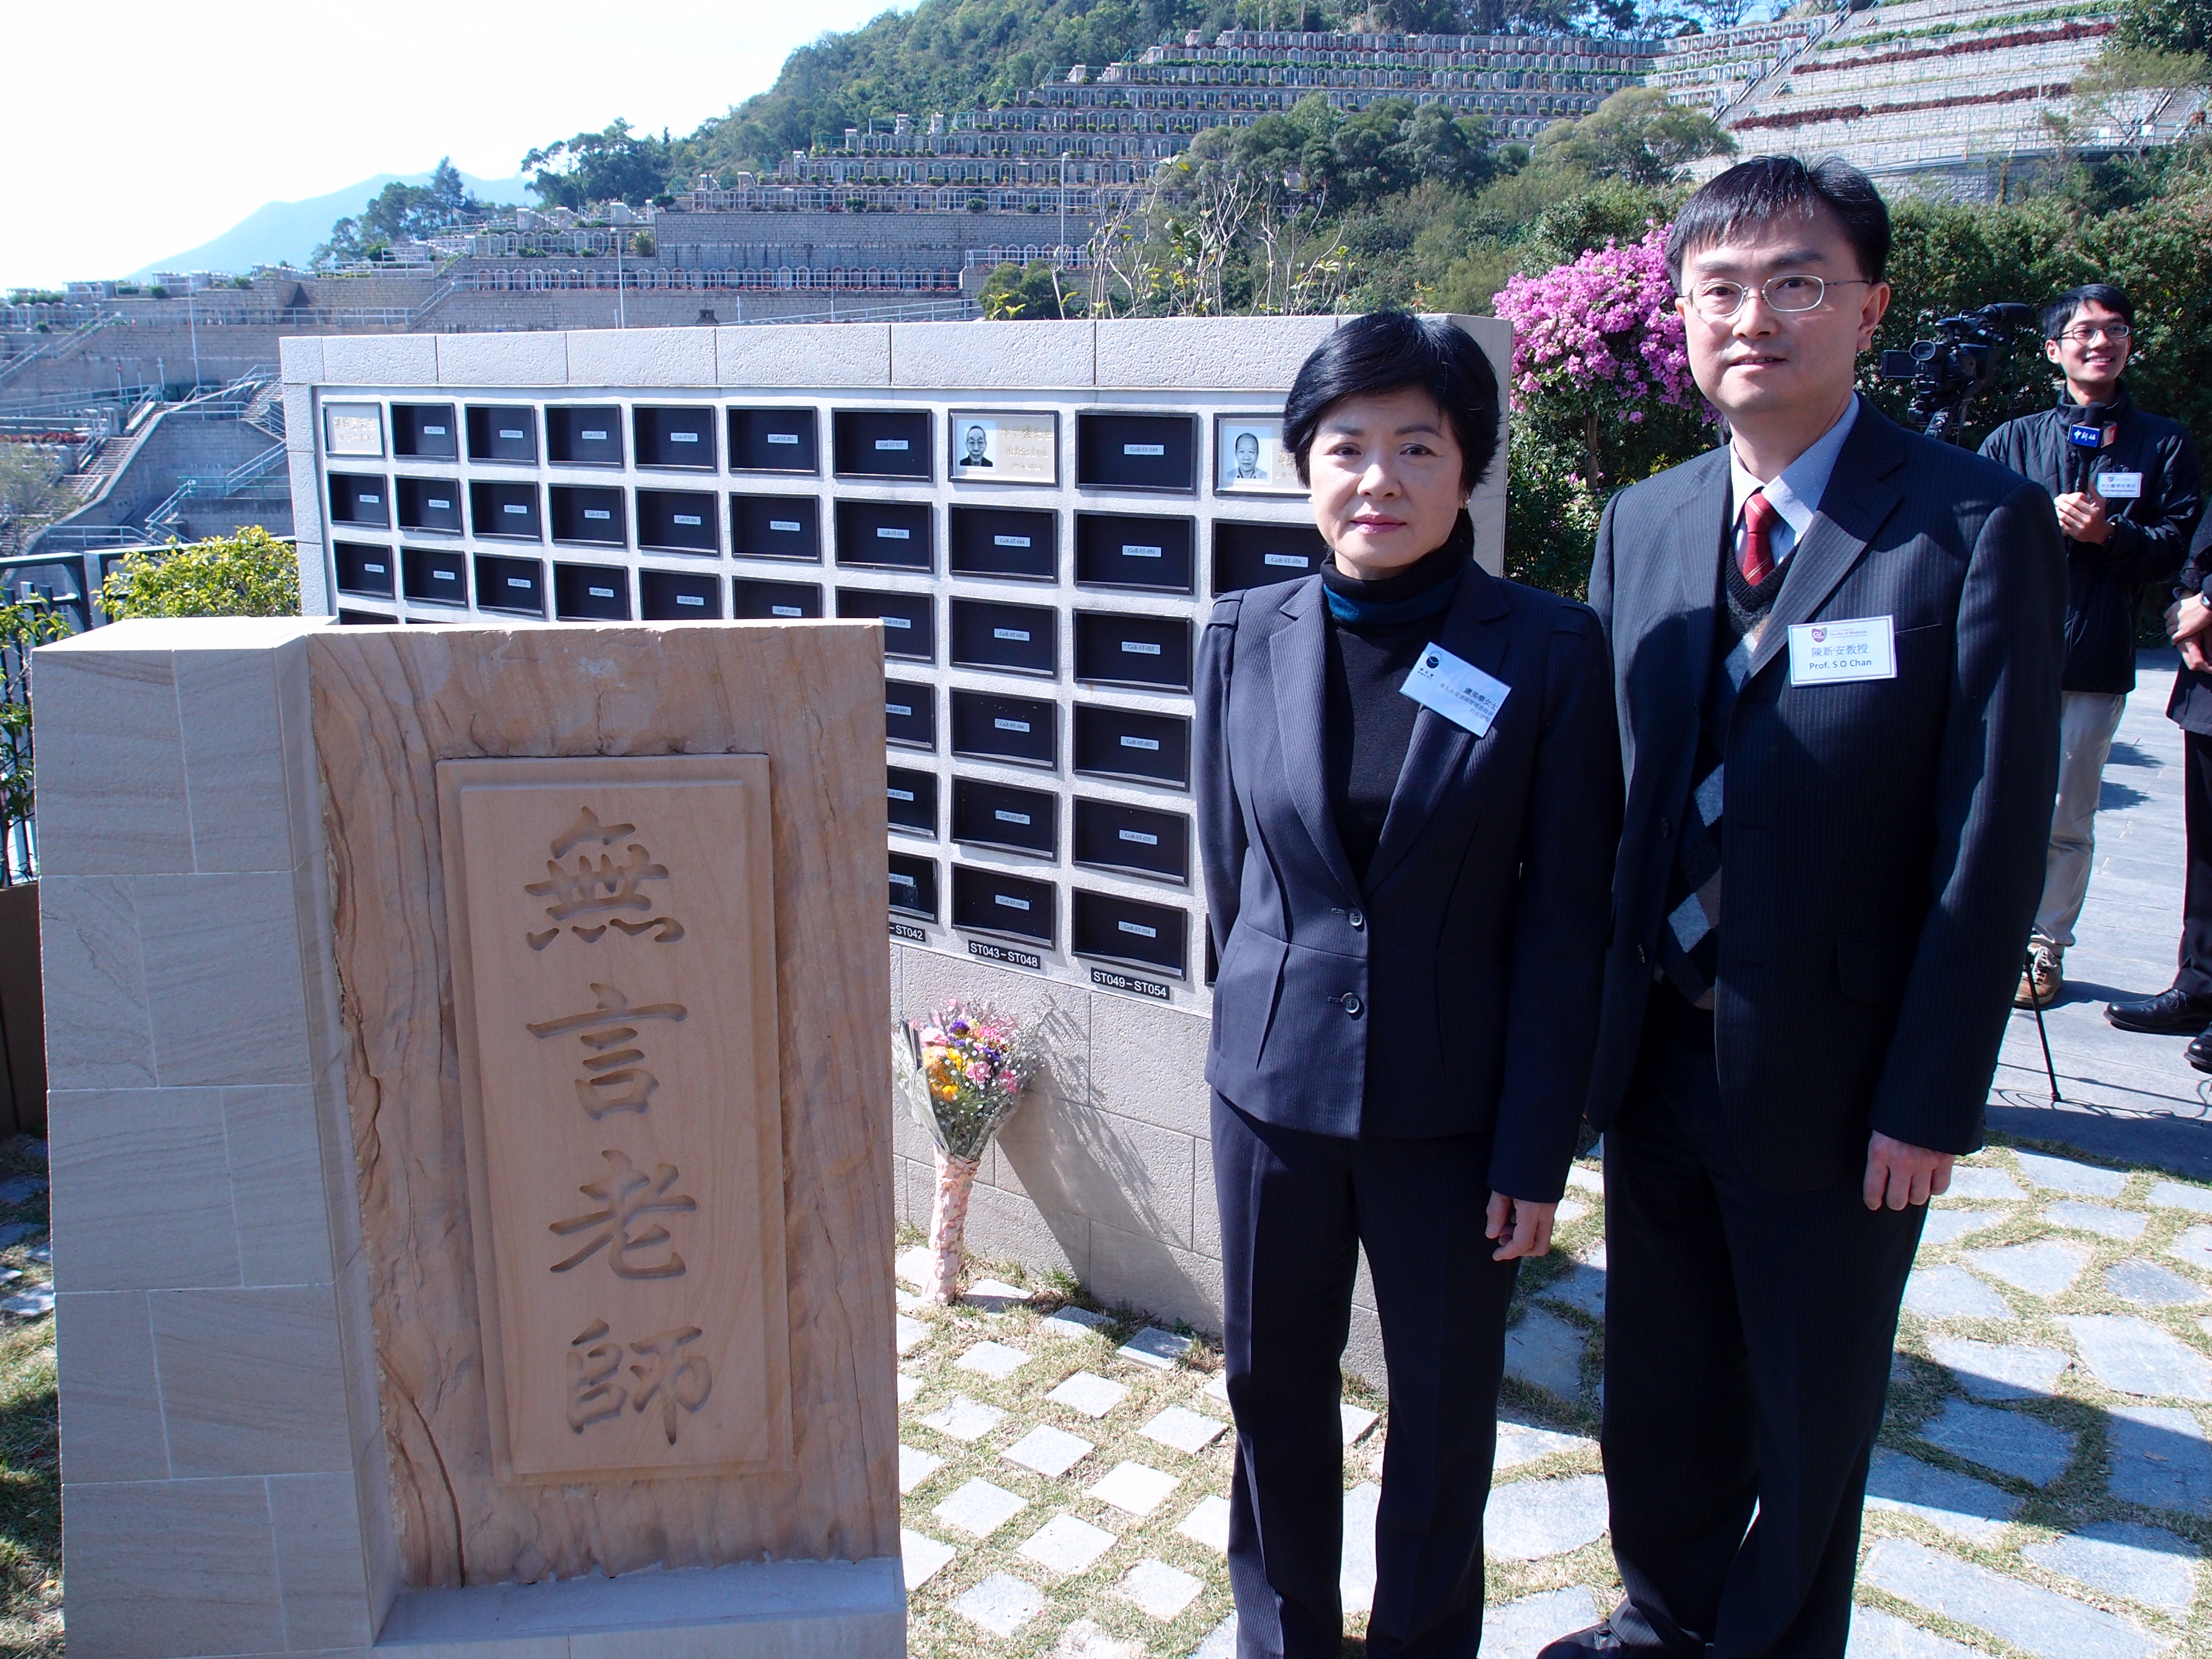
(612, 923)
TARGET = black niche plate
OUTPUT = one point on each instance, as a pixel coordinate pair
(914, 886)
(885, 536)
(679, 596)
(1133, 550)
(678, 521)
(504, 510)
(584, 435)
(911, 797)
(678, 437)
(510, 584)
(1132, 743)
(773, 440)
(776, 527)
(1018, 542)
(425, 432)
(909, 620)
(1133, 839)
(594, 516)
(1137, 451)
(363, 569)
(986, 901)
(1106, 927)
(431, 504)
(880, 443)
(430, 576)
(1116, 648)
(1249, 554)
(591, 592)
(989, 726)
(1014, 820)
(911, 714)
(503, 432)
(1013, 639)
(361, 499)
(754, 600)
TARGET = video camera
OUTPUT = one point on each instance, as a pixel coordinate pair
(1950, 371)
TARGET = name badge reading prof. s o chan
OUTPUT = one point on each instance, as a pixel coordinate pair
(1839, 653)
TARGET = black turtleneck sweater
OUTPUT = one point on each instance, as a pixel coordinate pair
(1370, 720)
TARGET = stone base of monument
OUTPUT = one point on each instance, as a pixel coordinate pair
(473, 1208)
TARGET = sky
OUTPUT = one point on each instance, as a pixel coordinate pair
(134, 131)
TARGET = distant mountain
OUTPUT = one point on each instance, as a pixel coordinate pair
(290, 231)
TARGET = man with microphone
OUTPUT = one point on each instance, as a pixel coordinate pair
(2126, 483)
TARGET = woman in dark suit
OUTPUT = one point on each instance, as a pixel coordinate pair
(1409, 794)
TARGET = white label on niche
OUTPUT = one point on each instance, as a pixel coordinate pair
(899, 794)
(898, 709)
(517, 581)
(440, 501)
(374, 569)
(433, 432)
(788, 526)
(784, 610)
(684, 437)
(1011, 725)
(1010, 902)
(1130, 551)
(600, 593)
(1144, 449)
(1140, 743)
(890, 443)
(690, 599)
(598, 513)
(1138, 928)
(889, 533)
(1140, 837)
(1010, 541)
(899, 879)
(444, 576)
(371, 500)
(1294, 561)
(1020, 633)
(513, 507)
(897, 622)
(783, 437)
(1139, 648)
(511, 432)
(595, 437)
(687, 518)
(1005, 817)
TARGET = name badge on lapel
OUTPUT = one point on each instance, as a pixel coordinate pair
(2119, 486)
(1458, 690)
(1838, 653)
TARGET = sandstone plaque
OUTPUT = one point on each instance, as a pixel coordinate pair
(614, 968)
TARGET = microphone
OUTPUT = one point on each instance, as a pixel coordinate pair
(2085, 436)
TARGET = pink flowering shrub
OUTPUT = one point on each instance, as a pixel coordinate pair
(1599, 361)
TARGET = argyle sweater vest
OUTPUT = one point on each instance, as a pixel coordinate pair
(1690, 943)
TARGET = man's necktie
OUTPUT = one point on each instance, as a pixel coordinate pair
(1759, 516)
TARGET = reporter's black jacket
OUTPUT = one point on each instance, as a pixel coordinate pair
(2150, 534)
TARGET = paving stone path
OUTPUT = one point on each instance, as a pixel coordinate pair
(2043, 1485)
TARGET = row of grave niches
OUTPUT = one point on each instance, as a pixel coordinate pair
(1111, 649)
(1140, 552)
(1129, 841)
(1112, 451)
(1126, 745)
(1100, 926)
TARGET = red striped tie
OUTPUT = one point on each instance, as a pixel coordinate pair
(1759, 516)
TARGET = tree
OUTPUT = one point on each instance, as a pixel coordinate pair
(613, 165)
(1013, 294)
(1638, 134)
(31, 492)
(402, 213)
(250, 573)
(2183, 27)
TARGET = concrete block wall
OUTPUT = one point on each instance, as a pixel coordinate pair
(224, 1486)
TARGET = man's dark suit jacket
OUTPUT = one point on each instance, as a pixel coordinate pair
(1883, 841)
(1455, 990)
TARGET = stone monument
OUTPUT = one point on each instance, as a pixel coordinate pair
(473, 1199)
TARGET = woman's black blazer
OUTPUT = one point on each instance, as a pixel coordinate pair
(1456, 990)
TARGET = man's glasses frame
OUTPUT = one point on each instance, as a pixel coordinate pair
(1791, 295)
(2115, 332)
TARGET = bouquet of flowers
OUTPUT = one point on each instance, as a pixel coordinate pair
(961, 1073)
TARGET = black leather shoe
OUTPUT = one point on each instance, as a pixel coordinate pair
(1581, 1643)
(2199, 1053)
(2172, 1012)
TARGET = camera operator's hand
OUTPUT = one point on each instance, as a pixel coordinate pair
(2189, 625)
(2081, 515)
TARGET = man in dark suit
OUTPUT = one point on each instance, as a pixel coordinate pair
(1835, 649)
(2188, 1003)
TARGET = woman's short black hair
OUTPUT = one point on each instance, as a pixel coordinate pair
(1387, 351)
(2060, 312)
(1751, 193)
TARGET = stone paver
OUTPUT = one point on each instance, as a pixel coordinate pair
(963, 1419)
(1523, 1442)
(1948, 1292)
(1519, 1630)
(2174, 1196)
(917, 1267)
(1878, 1635)
(2009, 1442)
(1973, 1181)
(922, 1557)
(1945, 1226)
(1160, 1589)
(1546, 1351)
(993, 1359)
(979, 1509)
(2065, 1175)
(2047, 1267)
(1001, 1604)
(1355, 1421)
(2101, 1219)
(2159, 1458)
(1208, 1524)
(993, 1296)
(2193, 1247)
(1217, 1387)
(2150, 1285)
(1969, 1508)
(911, 1332)
(1184, 1431)
(1051, 1452)
(1072, 1322)
(1066, 1544)
(1530, 1520)
(909, 1387)
(1220, 1642)
(2051, 1625)
(1084, 1640)
(1134, 1488)
(1088, 1393)
(1581, 1286)
(2132, 1356)
(2144, 1564)
(1355, 1580)
(1155, 1347)
(914, 1468)
(1989, 1370)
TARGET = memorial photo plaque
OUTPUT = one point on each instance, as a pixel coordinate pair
(612, 925)
(1003, 446)
(1249, 459)
(353, 429)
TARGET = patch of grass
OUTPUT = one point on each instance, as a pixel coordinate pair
(30, 1443)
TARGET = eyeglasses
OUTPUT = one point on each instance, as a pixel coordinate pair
(1719, 301)
(2089, 331)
